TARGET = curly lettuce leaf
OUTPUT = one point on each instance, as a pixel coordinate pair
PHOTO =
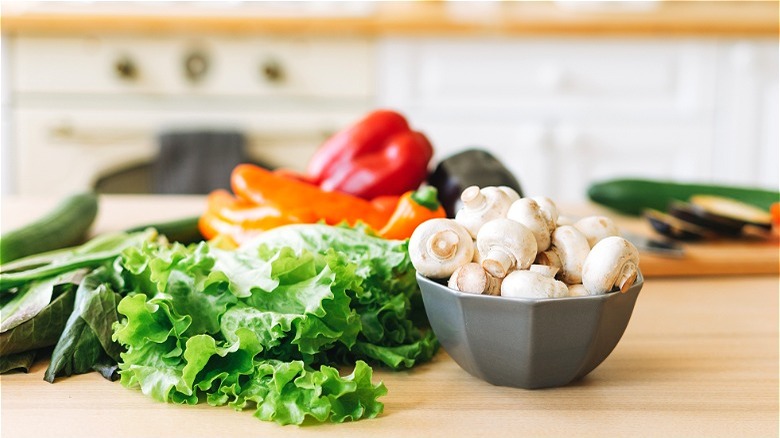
(259, 327)
(387, 298)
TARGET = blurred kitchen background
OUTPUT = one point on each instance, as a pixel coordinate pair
(113, 95)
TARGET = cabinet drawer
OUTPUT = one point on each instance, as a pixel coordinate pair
(555, 76)
(247, 67)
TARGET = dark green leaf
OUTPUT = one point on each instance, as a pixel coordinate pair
(17, 362)
(86, 339)
(44, 329)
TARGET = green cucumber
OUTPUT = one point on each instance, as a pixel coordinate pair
(184, 231)
(632, 196)
(63, 226)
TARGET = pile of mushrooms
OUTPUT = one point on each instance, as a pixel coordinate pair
(502, 244)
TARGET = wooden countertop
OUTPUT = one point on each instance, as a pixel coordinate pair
(699, 358)
(659, 18)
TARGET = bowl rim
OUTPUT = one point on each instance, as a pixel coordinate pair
(526, 300)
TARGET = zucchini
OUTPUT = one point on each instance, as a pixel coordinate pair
(65, 225)
(632, 196)
(184, 230)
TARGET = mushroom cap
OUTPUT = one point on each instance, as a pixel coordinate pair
(505, 244)
(439, 246)
(565, 220)
(596, 228)
(481, 206)
(530, 284)
(549, 210)
(528, 212)
(572, 248)
(512, 193)
(613, 261)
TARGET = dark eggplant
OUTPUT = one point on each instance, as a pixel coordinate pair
(696, 215)
(472, 167)
(733, 210)
(676, 228)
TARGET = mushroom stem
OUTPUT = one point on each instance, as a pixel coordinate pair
(439, 246)
(549, 258)
(498, 262)
(546, 270)
(443, 244)
(627, 277)
(473, 198)
(472, 278)
(481, 206)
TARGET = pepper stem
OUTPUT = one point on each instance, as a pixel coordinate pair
(427, 197)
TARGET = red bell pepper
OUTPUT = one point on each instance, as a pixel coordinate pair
(380, 155)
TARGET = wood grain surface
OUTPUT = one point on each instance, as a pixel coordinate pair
(699, 359)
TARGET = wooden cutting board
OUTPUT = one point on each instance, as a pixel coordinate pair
(716, 258)
(743, 256)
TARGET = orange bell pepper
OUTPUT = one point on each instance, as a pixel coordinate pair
(414, 208)
(268, 200)
(305, 201)
(239, 219)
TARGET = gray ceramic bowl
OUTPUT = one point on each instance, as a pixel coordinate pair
(527, 343)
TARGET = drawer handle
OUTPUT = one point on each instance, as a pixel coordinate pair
(126, 68)
(272, 71)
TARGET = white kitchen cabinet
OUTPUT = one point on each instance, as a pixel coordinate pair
(746, 120)
(82, 107)
(564, 113)
(560, 112)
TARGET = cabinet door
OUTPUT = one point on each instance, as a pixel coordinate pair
(65, 151)
(561, 161)
(747, 121)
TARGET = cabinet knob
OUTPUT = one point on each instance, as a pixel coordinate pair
(272, 71)
(126, 68)
(196, 65)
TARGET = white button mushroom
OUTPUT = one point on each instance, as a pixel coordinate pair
(549, 209)
(472, 278)
(565, 220)
(528, 212)
(577, 290)
(530, 284)
(505, 245)
(481, 206)
(613, 262)
(596, 228)
(568, 252)
(439, 246)
(548, 271)
(513, 195)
